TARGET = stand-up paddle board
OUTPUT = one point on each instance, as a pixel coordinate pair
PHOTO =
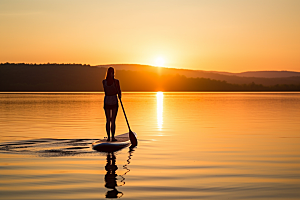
(108, 146)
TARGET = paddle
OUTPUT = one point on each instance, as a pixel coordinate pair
(132, 135)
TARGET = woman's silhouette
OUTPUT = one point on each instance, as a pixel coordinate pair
(112, 89)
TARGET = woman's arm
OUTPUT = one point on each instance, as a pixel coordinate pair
(119, 89)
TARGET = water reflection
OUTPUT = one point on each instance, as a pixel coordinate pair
(111, 177)
(160, 103)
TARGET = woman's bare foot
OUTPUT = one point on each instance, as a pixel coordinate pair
(114, 139)
(108, 139)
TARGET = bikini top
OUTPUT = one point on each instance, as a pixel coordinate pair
(110, 90)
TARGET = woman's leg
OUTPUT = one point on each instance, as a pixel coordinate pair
(108, 119)
(113, 122)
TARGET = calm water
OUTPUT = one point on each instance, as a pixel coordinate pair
(191, 146)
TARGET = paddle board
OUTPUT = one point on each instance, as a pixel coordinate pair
(105, 146)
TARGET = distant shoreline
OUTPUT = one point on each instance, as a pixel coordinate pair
(20, 77)
(99, 92)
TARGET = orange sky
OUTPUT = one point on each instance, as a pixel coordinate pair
(231, 35)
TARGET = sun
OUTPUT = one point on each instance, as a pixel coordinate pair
(159, 62)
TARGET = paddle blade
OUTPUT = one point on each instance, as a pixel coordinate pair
(133, 138)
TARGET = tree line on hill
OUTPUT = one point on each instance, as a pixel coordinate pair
(77, 77)
(266, 78)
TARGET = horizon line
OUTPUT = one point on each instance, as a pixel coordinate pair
(85, 64)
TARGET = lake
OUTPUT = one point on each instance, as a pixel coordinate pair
(191, 146)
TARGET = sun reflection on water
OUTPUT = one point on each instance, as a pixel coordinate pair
(160, 102)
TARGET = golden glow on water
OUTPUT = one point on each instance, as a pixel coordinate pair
(160, 108)
(191, 145)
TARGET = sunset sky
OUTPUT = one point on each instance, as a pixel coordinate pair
(213, 35)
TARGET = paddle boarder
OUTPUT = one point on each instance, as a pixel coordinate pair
(112, 93)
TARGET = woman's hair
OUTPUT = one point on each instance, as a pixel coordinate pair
(110, 71)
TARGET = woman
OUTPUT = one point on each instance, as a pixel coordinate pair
(112, 89)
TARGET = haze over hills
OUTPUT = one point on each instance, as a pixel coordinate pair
(263, 74)
(267, 78)
(196, 73)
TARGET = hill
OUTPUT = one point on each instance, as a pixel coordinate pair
(267, 78)
(78, 77)
(264, 74)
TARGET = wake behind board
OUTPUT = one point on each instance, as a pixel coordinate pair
(105, 146)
